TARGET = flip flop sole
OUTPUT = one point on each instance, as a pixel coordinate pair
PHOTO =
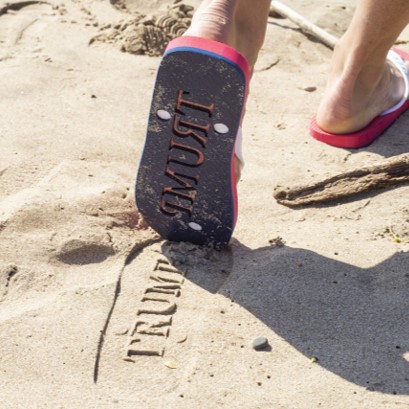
(185, 187)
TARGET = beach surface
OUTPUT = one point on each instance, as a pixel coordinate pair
(96, 311)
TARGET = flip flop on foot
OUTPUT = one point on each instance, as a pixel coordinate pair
(367, 135)
(186, 187)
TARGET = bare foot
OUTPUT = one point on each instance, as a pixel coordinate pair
(357, 92)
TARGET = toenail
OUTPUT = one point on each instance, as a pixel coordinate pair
(221, 128)
(162, 114)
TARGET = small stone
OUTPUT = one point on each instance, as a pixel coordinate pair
(171, 364)
(310, 88)
(260, 343)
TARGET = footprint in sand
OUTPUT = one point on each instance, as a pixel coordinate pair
(16, 18)
(81, 252)
(146, 34)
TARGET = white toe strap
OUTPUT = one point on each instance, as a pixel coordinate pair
(238, 149)
(397, 61)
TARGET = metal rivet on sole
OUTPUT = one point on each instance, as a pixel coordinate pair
(221, 128)
(195, 226)
(162, 114)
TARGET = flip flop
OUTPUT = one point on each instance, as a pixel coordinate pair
(367, 135)
(186, 187)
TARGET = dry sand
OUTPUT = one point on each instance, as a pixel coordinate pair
(78, 327)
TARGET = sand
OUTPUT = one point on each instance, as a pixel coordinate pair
(96, 311)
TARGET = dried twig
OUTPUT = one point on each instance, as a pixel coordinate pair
(305, 25)
(388, 173)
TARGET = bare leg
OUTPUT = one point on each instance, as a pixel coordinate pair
(240, 24)
(361, 84)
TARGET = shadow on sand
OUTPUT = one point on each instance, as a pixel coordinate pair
(354, 320)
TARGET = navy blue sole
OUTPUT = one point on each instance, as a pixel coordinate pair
(185, 184)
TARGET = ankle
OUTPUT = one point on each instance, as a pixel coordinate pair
(214, 21)
(358, 61)
(360, 87)
(228, 22)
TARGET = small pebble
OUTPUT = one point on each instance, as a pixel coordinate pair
(310, 88)
(260, 343)
(171, 364)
